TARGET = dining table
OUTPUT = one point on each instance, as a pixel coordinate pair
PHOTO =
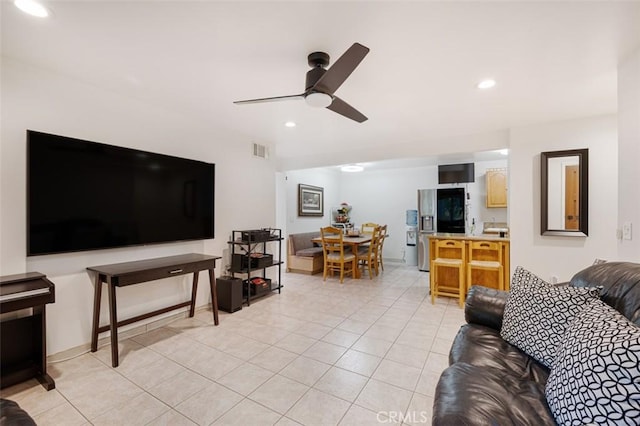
(354, 241)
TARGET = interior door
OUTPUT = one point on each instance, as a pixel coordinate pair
(571, 198)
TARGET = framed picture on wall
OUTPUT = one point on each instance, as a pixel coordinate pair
(310, 200)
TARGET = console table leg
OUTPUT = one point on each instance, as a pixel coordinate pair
(46, 381)
(113, 318)
(97, 295)
(194, 291)
(214, 296)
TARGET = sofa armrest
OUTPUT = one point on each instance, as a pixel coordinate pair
(485, 306)
(12, 415)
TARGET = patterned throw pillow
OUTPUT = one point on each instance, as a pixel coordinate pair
(537, 314)
(523, 278)
(596, 375)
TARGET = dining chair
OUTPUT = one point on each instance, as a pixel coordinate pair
(335, 258)
(367, 256)
(368, 227)
(449, 254)
(485, 256)
(379, 246)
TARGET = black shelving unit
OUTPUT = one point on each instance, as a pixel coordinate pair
(249, 255)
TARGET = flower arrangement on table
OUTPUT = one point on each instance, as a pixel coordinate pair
(344, 208)
(343, 213)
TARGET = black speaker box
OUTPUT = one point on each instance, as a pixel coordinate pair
(229, 290)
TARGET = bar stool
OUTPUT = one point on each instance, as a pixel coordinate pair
(448, 254)
(487, 256)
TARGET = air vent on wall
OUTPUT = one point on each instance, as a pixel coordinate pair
(260, 151)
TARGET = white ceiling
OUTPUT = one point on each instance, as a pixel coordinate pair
(552, 61)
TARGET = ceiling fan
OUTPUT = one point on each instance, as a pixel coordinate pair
(321, 83)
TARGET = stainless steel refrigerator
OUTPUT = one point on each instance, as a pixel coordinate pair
(426, 225)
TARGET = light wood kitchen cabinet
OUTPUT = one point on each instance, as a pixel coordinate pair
(497, 187)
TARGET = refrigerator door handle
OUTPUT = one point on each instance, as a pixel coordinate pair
(423, 252)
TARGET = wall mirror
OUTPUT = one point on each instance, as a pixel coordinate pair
(565, 193)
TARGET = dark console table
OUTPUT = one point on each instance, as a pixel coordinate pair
(23, 349)
(130, 273)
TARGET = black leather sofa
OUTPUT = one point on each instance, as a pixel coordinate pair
(491, 382)
(12, 415)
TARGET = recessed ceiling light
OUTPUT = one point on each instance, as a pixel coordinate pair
(32, 7)
(486, 84)
(504, 151)
(290, 124)
(352, 168)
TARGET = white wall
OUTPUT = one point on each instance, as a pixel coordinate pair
(384, 196)
(37, 99)
(563, 256)
(629, 154)
(326, 178)
(478, 196)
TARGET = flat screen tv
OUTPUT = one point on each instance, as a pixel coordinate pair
(456, 173)
(85, 195)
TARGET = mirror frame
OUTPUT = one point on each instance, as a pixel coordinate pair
(583, 172)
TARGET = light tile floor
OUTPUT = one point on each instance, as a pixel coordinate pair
(320, 353)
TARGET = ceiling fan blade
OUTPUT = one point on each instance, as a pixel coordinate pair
(341, 69)
(273, 99)
(343, 108)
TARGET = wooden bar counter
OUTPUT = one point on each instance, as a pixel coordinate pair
(480, 277)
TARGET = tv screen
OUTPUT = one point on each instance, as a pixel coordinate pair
(456, 173)
(85, 195)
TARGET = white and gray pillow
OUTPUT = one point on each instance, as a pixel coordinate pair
(596, 375)
(537, 314)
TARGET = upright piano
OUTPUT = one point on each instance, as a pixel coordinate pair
(23, 345)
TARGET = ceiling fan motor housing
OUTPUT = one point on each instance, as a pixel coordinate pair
(319, 61)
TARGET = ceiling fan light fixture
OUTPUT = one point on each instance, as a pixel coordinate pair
(318, 99)
(32, 8)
